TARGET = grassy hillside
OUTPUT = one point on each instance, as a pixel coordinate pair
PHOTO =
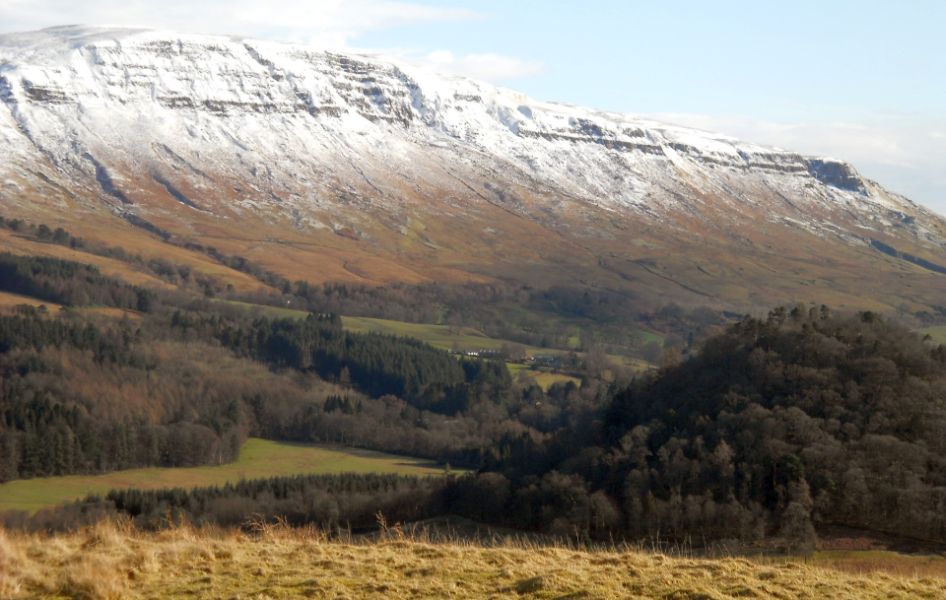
(444, 337)
(438, 336)
(258, 459)
(273, 312)
(210, 272)
(109, 561)
(468, 338)
(135, 243)
(10, 300)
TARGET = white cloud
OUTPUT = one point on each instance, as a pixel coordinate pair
(488, 67)
(331, 22)
(905, 154)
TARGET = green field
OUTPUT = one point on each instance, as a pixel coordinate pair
(463, 339)
(274, 312)
(937, 333)
(444, 337)
(545, 379)
(258, 459)
(438, 336)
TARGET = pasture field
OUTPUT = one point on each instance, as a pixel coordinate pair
(8, 301)
(258, 459)
(937, 333)
(113, 560)
(273, 312)
(443, 337)
(438, 336)
(465, 338)
(545, 379)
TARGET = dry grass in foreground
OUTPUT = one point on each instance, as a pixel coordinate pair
(115, 561)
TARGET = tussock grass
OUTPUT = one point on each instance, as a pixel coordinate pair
(113, 560)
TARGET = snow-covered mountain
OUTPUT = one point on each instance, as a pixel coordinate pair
(354, 165)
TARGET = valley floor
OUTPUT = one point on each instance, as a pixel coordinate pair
(110, 561)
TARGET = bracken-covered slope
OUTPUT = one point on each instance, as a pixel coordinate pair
(323, 166)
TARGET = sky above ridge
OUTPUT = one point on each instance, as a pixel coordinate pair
(863, 81)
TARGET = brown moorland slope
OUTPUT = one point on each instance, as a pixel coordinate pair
(767, 266)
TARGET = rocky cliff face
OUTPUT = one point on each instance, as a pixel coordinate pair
(203, 133)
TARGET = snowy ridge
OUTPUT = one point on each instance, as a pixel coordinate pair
(110, 108)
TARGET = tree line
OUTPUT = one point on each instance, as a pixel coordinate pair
(69, 283)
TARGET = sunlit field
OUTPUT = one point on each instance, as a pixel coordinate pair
(258, 459)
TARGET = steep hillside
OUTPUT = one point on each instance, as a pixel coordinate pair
(329, 167)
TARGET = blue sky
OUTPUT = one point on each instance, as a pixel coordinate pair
(862, 81)
(747, 57)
